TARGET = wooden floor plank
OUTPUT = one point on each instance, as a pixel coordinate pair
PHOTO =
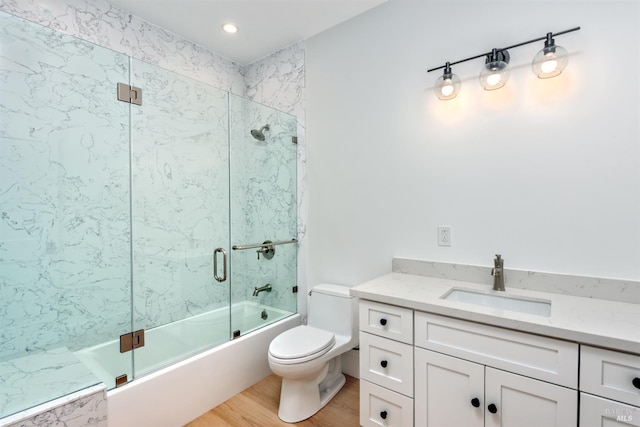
(257, 406)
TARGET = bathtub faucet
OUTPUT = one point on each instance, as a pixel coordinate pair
(257, 290)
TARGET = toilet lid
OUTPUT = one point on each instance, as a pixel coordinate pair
(301, 341)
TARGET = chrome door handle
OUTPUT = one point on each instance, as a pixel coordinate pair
(224, 266)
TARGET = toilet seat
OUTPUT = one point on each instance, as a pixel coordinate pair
(301, 344)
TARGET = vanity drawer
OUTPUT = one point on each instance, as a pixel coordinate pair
(544, 358)
(610, 374)
(598, 412)
(387, 321)
(387, 363)
(382, 407)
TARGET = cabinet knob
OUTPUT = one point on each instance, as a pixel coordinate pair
(492, 408)
(384, 363)
(383, 415)
(475, 402)
(636, 382)
(383, 321)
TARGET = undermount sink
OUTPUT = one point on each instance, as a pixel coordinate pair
(539, 307)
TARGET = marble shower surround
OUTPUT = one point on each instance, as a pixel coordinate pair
(274, 80)
(581, 286)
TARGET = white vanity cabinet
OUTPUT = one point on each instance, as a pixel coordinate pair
(386, 365)
(429, 370)
(609, 388)
(481, 381)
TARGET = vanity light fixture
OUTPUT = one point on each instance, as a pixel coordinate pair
(447, 85)
(548, 62)
(551, 60)
(495, 72)
(230, 27)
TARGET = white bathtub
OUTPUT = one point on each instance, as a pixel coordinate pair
(173, 395)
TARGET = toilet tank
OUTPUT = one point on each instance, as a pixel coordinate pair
(332, 308)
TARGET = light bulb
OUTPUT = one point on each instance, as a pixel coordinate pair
(493, 79)
(447, 88)
(549, 64)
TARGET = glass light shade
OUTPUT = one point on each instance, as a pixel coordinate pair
(447, 86)
(550, 62)
(494, 75)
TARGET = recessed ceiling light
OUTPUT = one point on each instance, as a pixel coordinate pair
(230, 28)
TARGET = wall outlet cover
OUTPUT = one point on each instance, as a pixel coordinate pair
(444, 235)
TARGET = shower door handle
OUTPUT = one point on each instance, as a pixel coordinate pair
(224, 266)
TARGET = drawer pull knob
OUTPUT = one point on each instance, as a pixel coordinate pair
(383, 321)
(492, 408)
(384, 363)
(636, 382)
(475, 402)
(383, 415)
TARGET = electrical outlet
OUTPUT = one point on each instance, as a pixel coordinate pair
(444, 235)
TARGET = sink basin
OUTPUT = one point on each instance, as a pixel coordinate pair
(539, 307)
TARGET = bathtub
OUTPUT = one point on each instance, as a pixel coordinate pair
(172, 385)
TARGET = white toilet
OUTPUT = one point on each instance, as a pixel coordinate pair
(307, 357)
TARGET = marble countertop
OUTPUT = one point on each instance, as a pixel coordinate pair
(597, 322)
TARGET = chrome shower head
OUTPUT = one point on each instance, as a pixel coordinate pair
(259, 133)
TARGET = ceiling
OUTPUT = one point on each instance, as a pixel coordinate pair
(265, 26)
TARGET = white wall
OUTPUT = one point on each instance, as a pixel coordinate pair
(545, 172)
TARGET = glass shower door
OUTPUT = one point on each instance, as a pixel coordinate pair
(64, 211)
(180, 216)
(263, 208)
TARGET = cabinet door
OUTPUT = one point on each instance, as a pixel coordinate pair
(599, 412)
(516, 401)
(449, 392)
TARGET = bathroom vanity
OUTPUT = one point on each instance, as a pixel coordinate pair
(515, 358)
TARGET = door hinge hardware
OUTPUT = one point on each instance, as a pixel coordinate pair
(294, 139)
(131, 341)
(295, 289)
(121, 380)
(130, 94)
(236, 334)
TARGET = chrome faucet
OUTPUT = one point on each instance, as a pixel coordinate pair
(264, 288)
(498, 273)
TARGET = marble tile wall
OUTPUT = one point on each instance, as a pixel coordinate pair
(581, 286)
(263, 202)
(87, 407)
(97, 22)
(279, 81)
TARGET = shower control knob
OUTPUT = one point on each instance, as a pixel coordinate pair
(492, 408)
(636, 382)
(383, 321)
(383, 415)
(475, 402)
(384, 363)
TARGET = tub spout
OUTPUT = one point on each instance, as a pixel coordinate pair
(257, 290)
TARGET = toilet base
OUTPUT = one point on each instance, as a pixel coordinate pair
(300, 400)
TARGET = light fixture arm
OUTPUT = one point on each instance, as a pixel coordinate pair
(548, 38)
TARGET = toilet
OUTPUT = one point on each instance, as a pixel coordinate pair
(308, 357)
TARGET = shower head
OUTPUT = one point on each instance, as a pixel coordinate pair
(259, 133)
